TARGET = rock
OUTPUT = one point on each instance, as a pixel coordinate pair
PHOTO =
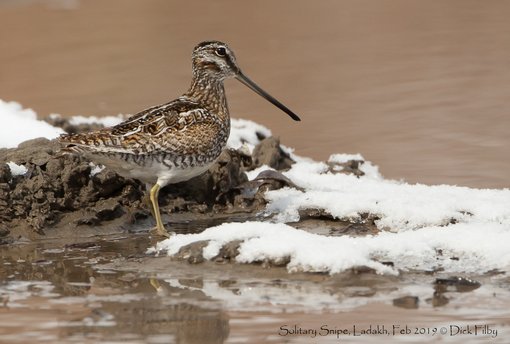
(249, 196)
(228, 252)
(363, 224)
(276, 179)
(279, 262)
(192, 253)
(408, 302)
(458, 284)
(270, 153)
(348, 167)
(362, 269)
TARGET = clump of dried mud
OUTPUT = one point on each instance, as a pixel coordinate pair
(61, 196)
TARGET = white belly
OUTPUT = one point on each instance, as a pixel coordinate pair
(177, 175)
(153, 172)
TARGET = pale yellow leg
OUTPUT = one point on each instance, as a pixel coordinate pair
(160, 229)
(148, 203)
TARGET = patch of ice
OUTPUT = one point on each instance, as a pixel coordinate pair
(107, 121)
(19, 124)
(244, 132)
(475, 247)
(17, 170)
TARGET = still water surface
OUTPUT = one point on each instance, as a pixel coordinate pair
(421, 88)
(107, 290)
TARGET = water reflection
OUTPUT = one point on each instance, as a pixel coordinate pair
(108, 289)
(61, 295)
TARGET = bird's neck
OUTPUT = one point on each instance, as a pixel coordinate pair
(209, 92)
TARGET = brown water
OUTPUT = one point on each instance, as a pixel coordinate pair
(106, 289)
(421, 88)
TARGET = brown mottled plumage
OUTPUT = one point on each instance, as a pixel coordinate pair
(175, 141)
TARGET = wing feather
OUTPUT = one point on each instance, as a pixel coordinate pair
(180, 127)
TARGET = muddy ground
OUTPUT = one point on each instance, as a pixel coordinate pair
(61, 196)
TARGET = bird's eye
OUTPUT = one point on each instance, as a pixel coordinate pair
(221, 51)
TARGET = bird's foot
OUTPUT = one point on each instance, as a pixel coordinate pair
(155, 284)
(161, 231)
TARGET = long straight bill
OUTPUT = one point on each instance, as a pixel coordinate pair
(244, 79)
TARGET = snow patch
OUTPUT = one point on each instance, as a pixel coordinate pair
(397, 205)
(95, 169)
(19, 124)
(475, 247)
(343, 158)
(17, 170)
(244, 133)
(371, 171)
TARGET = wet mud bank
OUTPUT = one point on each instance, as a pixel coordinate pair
(49, 194)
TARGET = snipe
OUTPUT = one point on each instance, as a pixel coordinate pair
(176, 141)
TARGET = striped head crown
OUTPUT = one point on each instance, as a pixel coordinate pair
(215, 59)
